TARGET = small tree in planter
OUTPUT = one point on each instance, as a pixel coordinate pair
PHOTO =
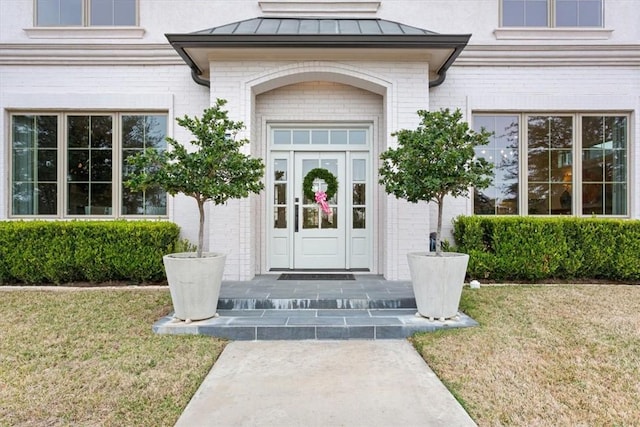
(435, 160)
(215, 171)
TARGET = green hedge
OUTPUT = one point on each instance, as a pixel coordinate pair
(96, 251)
(534, 249)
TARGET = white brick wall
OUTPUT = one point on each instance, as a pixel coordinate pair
(550, 89)
(83, 88)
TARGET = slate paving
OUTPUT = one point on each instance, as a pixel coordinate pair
(269, 309)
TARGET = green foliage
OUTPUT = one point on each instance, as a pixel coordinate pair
(324, 174)
(435, 160)
(533, 249)
(96, 251)
(215, 170)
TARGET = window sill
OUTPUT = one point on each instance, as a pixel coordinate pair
(85, 32)
(318, 7)
(552, 33)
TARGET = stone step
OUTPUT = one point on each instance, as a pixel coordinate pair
(318, 302)
(311, 324)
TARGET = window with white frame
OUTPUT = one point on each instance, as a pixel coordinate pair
(566, 164)
(552, 13)
(74, 164)
(85, 13)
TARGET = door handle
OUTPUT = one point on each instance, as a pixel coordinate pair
(297, 215)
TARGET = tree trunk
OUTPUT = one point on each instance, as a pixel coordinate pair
(439, 201)
(201, 227)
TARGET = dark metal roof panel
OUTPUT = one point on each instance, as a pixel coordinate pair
(337, 26)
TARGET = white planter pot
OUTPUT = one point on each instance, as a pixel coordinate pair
(194, 283)
(437, 282)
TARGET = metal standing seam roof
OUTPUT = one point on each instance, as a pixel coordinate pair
(317, 26)
(323, 33)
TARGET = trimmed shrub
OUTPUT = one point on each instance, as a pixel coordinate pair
(534, 249)
(96, 251)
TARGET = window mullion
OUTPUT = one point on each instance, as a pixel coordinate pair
(523, 134)
(577, 165)
(86, 13)
(116, 175)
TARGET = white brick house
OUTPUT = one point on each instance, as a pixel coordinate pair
(85, 83)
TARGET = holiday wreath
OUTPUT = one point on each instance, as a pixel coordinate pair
(319, 173)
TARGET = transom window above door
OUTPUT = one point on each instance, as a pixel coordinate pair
(320, 137)
(552, 13)
(85, 13)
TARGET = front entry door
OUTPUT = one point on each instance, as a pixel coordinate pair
(319, 237)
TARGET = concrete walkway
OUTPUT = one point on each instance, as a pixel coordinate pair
(322, 383)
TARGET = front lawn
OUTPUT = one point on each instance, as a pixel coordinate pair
(544, 355)
(89, 357)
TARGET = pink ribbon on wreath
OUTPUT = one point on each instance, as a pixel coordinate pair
(321, 199)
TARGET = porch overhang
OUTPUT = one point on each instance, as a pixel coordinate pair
(313, 38)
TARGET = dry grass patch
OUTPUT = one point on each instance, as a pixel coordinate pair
(90, 358)
(544, 355)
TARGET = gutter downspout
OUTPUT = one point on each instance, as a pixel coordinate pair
(442, 72)
(195, 75)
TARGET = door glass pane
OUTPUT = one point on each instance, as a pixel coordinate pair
(359, 170)
(330, 220)
(332, 166)
(359, 194)
(359, 218)
(310, 217)
(280, 169)
(280, 217)
(280, 194)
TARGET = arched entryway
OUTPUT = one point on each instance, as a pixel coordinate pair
(304, 124)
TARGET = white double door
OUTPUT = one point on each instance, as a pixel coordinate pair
(303, 235)
(319, 237)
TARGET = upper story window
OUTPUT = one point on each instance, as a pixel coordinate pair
(552, 13)
(85, 13)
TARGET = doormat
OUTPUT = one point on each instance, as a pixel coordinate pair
(316, 276)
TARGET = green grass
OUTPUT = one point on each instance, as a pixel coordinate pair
(89, 357)
(544, 355)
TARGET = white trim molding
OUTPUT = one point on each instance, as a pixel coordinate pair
(88, 54)
(544, 33)
(556, 55)
(315, 7)
(85, 32)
